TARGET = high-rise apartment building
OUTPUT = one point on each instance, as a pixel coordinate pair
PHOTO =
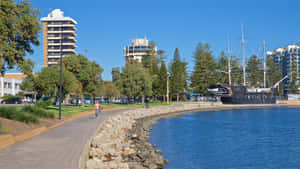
(58, 37)
(138, 49)
(285, 57)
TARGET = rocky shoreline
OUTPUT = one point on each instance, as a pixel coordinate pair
(122, 140)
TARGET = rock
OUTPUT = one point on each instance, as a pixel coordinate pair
(91, 164)
(158, 151)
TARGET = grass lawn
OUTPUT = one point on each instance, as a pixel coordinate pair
(70, 110)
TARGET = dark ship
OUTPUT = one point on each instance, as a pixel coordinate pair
(229, 94)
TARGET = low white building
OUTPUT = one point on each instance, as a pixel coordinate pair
(10, 84)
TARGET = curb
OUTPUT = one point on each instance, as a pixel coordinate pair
(8, 139)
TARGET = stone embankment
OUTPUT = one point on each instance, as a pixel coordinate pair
(122, 140)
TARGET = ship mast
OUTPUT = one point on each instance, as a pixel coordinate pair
(244, 59)
(265, 66)
(229, 62)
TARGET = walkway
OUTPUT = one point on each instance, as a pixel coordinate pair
(59, 148)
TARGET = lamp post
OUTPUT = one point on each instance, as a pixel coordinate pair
(60, 77)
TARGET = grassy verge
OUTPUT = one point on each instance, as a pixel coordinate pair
(27, 114)
(70, 110)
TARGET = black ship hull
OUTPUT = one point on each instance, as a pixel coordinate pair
(240, 95)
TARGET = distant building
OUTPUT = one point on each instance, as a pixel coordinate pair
(58, 37)
(10, 83)
(284, 57)
(138, 49)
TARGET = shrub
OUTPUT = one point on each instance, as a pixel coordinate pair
(7, 97)
(44, 103)
(13, 114)
(38, 111)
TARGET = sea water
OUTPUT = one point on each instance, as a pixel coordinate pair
(237, 139)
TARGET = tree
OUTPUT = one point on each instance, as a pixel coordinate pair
(110, 90)
(254, 72)
(222, 67)
(177, 75)
(47, 83)
(116, 74)
(135, 80)
(274, 73)
(204, 73)
(19, 28)
(236, 71)
(294, 80)
(88, 73)
(150, 58)
(150, 62)
(163, 77)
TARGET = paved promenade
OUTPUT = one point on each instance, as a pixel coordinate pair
(59, 148)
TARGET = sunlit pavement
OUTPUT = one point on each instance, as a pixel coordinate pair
(59, 148)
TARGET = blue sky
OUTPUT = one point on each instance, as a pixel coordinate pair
(105, 27)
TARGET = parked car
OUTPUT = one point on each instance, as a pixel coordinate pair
(76, 101)
(12, 100)
(88, 100)
(97, 99)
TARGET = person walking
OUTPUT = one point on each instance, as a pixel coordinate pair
(97, 108)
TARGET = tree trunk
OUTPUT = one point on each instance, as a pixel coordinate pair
(177, 97)
(143, 99)
(82, 101)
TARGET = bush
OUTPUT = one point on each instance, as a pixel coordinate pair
(13, 114)
(44, 103)
(38, 111)
(7, 97)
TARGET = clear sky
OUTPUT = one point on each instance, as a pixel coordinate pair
(106, 26)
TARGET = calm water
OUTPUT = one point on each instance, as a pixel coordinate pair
(261, 138)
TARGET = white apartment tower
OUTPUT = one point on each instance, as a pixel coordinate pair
(138, 49)
(58, 37)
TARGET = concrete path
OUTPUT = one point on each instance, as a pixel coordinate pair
(59, 148)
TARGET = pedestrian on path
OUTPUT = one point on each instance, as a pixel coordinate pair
(97, 108)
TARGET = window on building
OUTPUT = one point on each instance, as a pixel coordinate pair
(17, 86)
(9, 85)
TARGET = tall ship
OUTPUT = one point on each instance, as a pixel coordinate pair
(240, 94)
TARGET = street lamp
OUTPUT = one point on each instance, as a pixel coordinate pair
(60, 77)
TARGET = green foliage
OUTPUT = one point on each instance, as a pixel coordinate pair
(7, 97)
(116, 74)
(17, 115)
(135, 80)
(21, 94)
(294, 80)
(177, 75)
(204, 73)
(274, 73)
(88, 73)
(44, 103)
(38, 111)
(254, 71)
(163, 77)
(110, 90)
(19, 28)
(222, 65)
(151, 58)
(47, 82)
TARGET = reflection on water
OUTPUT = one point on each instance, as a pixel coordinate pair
(257, 138)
